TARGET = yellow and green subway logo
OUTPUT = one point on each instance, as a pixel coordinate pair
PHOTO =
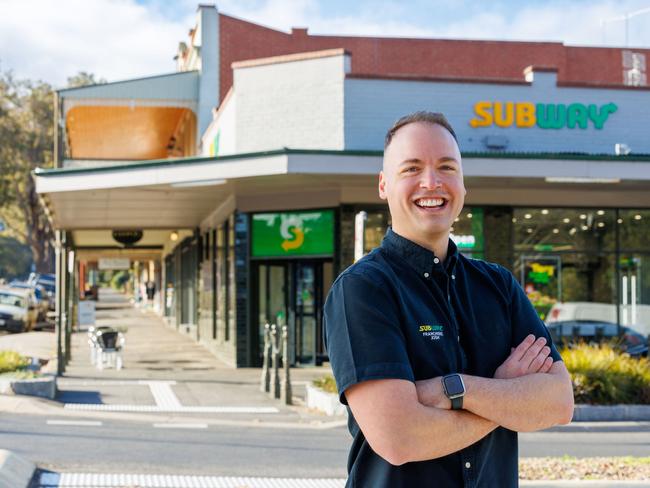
(542, 115)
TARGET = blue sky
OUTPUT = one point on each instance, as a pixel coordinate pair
(118, 39)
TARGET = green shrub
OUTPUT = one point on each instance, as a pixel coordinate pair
(12, 361)
(326, 383)
(603, 376)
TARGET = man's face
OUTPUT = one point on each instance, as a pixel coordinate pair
(422, 180)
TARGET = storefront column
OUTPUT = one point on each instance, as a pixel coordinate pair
(498, 234)
(242, 292)
(59, 314)
(69, 300)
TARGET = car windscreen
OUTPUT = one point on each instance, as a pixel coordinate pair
(14, 300)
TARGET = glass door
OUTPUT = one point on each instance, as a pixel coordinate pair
(271, 299)
(307, 301)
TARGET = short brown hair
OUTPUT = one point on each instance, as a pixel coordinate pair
(435, 118)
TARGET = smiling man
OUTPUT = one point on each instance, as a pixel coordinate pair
(441, 359)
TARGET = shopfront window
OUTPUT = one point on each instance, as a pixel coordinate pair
(566, 255)
(561, 230)
(467, 232)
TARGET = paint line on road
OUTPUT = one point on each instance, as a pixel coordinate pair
(181, 426)
(96, 480)
(164, 395)
(81, 423)
(158, 409)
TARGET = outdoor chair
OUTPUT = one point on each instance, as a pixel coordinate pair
(109, 347)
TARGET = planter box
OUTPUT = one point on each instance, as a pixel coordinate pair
(324, 401)
(611, 413)
(44, 387)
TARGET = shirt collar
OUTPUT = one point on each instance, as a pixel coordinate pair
(421, 259)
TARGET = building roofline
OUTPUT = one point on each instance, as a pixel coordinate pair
(164, 75)
(439, 79)
(289, 58)
(48, 172)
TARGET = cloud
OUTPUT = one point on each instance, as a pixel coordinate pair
(112, 39)
(121, 39)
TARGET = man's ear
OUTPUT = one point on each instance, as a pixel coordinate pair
(382, 186)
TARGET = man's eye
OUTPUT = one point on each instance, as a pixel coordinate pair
(410, 169)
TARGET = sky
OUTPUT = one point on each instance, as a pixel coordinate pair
(120, 39)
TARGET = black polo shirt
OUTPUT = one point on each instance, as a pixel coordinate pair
(401, 313)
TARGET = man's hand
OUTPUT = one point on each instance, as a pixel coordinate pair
(531, 356)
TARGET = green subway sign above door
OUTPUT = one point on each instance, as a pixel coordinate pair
(293, 234)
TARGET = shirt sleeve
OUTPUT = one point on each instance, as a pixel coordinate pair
(524, 317)
(362, 333)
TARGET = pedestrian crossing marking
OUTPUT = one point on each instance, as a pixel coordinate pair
(127, 480)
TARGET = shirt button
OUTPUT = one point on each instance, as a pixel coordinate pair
(453, 277)
(468, 465)
(436, 260)
(426, 275)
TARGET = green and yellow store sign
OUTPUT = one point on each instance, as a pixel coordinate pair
(293, 234)
(541, 115)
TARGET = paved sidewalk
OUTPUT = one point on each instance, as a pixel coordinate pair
(165, 373)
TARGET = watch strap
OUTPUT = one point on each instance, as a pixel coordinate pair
(457, 403)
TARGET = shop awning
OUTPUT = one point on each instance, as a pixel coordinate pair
(181, 193)
(134, 119)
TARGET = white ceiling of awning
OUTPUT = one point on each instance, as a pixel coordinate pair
(148, 196)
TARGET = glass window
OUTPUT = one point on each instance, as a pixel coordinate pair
(467, 232)
(635, 291)
(567, 277)
(634, 229)
(375, 228)
(562, 229)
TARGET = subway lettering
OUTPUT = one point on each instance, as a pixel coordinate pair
(542, 115)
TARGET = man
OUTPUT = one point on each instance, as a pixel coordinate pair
(441, 359)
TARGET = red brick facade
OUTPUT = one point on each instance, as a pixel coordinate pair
(240, 40)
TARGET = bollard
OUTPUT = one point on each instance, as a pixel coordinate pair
(275, 380)
(265, 383)
(285, 392)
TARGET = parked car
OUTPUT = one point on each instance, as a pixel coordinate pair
(635, 316)
(40, 296)
(596, 332)
(17, 314)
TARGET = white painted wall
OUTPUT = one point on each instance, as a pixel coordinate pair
(224, 126)
(296, 104)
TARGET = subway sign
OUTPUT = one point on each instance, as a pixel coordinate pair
(293, 234)
(543, 115)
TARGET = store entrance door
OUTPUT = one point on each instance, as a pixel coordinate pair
(292, 293)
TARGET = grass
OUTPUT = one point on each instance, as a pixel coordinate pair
(11, 361)
(326, 383)
(602, 375)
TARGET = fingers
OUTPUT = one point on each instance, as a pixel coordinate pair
(539, 360)
(546, 367)
(521, 349)
(532, 352)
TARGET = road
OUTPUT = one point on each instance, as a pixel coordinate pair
(114, 446)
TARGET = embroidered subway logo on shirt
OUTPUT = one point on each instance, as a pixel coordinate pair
(434, 332)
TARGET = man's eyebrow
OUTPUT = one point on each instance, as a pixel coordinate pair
(410, 161)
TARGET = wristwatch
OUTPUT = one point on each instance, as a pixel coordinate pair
(454, 388)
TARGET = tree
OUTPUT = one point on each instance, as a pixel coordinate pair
(26, 114)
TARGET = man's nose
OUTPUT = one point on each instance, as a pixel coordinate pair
(430, 179)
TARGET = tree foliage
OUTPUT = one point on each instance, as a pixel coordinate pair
(26, 140)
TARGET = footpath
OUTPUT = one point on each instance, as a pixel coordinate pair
(166, 377)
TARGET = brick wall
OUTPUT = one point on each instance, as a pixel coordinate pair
(241, 40)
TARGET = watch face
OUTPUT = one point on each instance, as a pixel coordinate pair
(454, 385)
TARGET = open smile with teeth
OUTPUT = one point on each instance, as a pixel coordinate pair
(430, 202)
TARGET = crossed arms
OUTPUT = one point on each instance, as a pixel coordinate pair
(405, 422)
